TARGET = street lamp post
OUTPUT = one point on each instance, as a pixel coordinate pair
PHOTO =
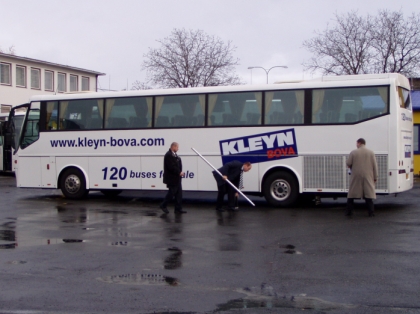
(266, 71)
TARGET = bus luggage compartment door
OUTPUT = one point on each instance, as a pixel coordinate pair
(49, 172)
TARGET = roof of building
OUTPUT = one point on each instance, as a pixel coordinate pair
(415, 99)
(49, 63)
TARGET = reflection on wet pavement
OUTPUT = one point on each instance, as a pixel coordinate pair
(173, 229)
(7, 246)
(265, 296)
(73, 241)
(8, 234)
(174, 260)
(230, 242)
(72, 215)
(290, 249)
(140, 279)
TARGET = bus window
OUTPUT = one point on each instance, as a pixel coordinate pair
(404, 97)
(348, 105)
(179, 111)
(51, 115)
(284, 107)
(81, 114)
(128, 113)
(31, 132)
(235, 109)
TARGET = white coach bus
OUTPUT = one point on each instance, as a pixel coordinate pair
(296, 135)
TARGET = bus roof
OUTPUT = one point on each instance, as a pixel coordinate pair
(322, 82)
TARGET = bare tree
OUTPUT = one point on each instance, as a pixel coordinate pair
(343, 49)
(137, 85)
(189, 58)
(11, 51)
(357, 45)
(396, 43)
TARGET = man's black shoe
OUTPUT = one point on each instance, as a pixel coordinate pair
(180, 211)
(349, 214)
(219, 209)
(371, 215)
(164, 209)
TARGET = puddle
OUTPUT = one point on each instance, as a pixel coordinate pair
(140, 279)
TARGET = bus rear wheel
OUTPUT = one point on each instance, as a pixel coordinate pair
(281, 189)
(73, 184)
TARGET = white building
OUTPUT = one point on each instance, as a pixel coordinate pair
(22, 77)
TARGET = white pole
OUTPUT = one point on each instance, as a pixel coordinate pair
(231, 184)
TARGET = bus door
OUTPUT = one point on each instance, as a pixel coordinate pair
(12, 134)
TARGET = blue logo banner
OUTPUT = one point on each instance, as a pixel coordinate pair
(260, 147)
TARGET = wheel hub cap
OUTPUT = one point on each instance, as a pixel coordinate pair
(280, 190)
(72, 184)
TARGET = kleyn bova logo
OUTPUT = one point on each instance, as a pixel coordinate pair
(260, 147)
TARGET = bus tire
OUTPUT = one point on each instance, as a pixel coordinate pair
(281, 189)
(73, 184)
(111, 193)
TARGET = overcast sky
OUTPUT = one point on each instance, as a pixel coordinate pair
(112, 36)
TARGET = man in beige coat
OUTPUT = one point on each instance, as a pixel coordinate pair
(364, 173)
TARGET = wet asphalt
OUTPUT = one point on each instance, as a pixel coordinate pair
(122, 255)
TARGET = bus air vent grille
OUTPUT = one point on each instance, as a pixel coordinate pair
(323, 172)
(330, 172)
(382, 161)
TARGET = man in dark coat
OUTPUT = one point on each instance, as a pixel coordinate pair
(364, 174)
(232, 171)
(172, 176)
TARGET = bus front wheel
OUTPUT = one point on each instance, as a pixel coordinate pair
(73, 184)
(281, 189)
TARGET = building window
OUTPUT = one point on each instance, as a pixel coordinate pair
(49, 81)
(73, 83)
(6, 108)
(416, 139)
(35, 78)
(20, 76)
(85, 83)
(5, 74)
(61, 82)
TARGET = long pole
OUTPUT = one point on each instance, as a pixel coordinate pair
(231, 184)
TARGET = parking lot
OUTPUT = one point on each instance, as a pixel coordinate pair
(122, 255)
